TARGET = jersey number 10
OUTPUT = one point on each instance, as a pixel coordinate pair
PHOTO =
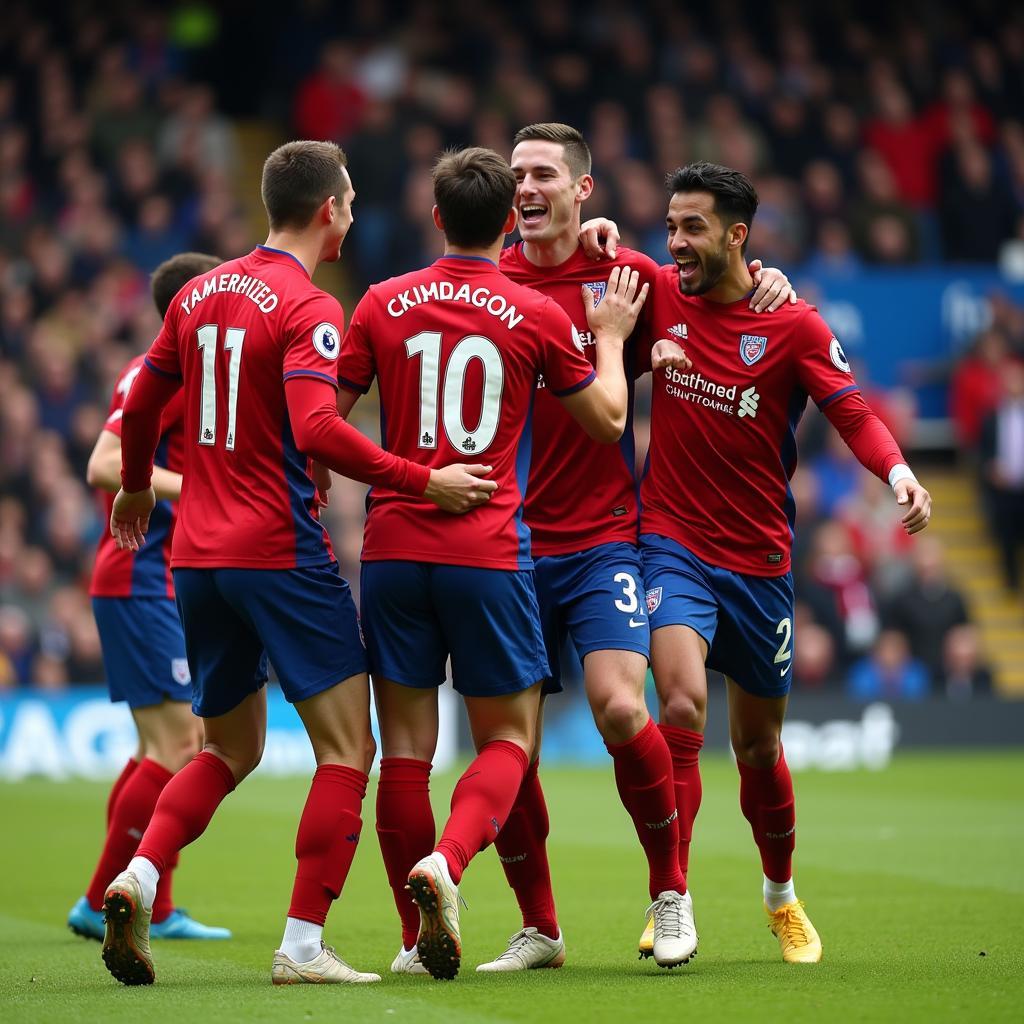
(206, 338)
(427, 345)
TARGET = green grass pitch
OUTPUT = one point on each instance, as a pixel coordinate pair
(914, 877)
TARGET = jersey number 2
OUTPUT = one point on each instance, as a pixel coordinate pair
(427, 345)
(206, 338)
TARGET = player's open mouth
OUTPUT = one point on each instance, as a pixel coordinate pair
(688, 267)
(532, 213)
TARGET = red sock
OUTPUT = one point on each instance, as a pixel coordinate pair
(643, 775)
(115, 791)
(163, 903)
(326, 841)
(131, 816)
(684, 745)
(481, 802)
(522, 850)
(405, 829)
(766, 799)
(185, 808)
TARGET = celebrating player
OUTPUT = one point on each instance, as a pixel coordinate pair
(143, 646)
(256, 344)
(717, 513)
(457, 349)
(582, 512)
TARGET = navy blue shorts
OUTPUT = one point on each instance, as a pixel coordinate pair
(143, 649)
(304, 619)
(417, 614)
(596, 597)
(747, 621)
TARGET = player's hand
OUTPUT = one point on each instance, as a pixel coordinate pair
(910, 492)
(459, 488)
(666, 352)
(616, 313)
(129, 518)
(599, 238)
(771, 288)
(322, 480)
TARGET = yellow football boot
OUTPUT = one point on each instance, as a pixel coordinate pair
(646, 944)
(798, 940)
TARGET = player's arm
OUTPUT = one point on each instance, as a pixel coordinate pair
(602, 407)
(140, 433)
(825, 374)
(104, 470)
(600, 240)
(877, 451)
(324, 436)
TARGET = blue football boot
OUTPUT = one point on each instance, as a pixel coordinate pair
(178, 925)
(85, 921)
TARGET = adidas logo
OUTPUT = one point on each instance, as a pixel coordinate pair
(748, 402)
(679, 331)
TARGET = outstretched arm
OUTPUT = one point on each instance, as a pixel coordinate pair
(876, 449)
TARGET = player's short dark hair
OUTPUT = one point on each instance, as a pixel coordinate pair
(574, 146)
(298, 177)
(473, 189)
(734, 195)
(172, 275)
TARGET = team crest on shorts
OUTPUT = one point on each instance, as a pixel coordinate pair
(752, 347)
(179, 671)
(653, 600)
(597, 289)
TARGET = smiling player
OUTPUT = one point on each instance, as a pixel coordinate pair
(717, 513)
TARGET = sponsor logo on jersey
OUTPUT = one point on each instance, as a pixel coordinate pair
(678, 331)
(179, 671)
(597, 289)
(839, 360)
(748, 403)
(327, 340)
(752, 347)
(653, 599)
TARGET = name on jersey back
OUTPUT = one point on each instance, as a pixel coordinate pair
(445, 291)
(239, 284)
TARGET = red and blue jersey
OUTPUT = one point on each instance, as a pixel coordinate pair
(457, 349)
(234, 336)
(723, 433)
(147, 572)
(581, 493)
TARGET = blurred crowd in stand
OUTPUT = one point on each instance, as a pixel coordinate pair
(889, 137)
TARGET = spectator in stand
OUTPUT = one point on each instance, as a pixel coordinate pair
(329, 103)
(977, 386)
(977, 210)
(889, 673)
(1002, 458)
(928, 606)
(964, 675)
(814, 659)
(884, 228)
(835, 589)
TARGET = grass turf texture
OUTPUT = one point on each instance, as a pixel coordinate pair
(912, 876)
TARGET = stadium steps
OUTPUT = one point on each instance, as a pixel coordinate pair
(974, 564)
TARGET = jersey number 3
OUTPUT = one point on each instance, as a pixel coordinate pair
(427, 345)
(206, 338)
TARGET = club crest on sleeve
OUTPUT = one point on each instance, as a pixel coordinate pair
(597, 289)
(752, 347)
(327, 340)
(653, 599)
(839, 360)
(179, 671)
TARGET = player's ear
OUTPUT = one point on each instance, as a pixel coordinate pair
(438, 223)
(328, 210)
(738, 235)
(584, 187)
(510, 221)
